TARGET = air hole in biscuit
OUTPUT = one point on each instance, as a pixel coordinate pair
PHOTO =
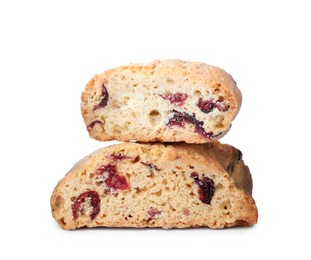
(221, 98)
(62, 221)
(158, 193)
(136, 159)
(198, 93)
(115, 104)
(219, 125)
(59, 202)
(172, 208)
(219, 186)
(170, 81)
(137, 189)
(219, 121)
(225, 206)
(154, 117)
(125, 100)
(151, 174)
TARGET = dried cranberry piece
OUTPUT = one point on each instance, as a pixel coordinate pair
(181, 118)
(201, 131)
(207, 106)
(94, 202)
(104, 100)
(151, 166)
(206, 187)
(112, 179)
(178, 98)
(152, 212)
(93, 123)
(117, 182)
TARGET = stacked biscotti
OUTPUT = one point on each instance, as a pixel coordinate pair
(170, 171)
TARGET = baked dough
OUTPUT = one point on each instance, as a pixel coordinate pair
(165, 101)
(174, 185)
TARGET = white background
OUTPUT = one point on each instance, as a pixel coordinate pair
(49, 51)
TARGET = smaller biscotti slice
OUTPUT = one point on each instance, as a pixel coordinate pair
(157, 185)
(165, 100)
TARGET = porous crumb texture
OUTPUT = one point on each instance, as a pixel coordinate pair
(165, 100)
(161, 185)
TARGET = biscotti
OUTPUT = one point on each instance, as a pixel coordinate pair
(157, 185)
(165, 101)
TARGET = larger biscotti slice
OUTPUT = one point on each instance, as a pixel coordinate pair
(157, 185)
(166, 101)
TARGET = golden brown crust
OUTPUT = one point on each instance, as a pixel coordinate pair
(134, 98)
(166, 188)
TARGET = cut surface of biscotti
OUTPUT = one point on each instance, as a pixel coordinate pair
(165, 100)
(157, 185)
